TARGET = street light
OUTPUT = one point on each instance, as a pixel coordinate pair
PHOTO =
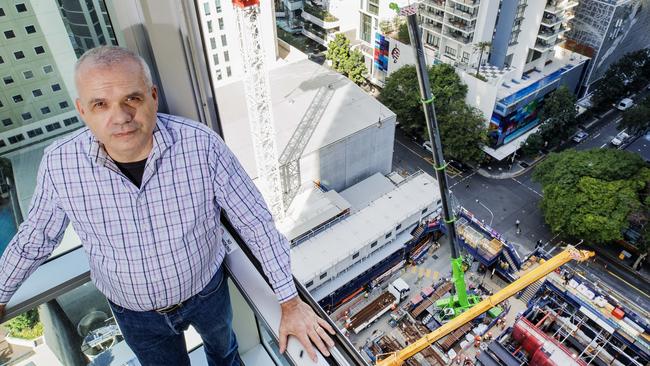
(490, 211)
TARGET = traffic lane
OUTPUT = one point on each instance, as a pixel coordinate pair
(601, 137)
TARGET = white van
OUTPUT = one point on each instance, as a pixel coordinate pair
(620, 138)
(624, 104)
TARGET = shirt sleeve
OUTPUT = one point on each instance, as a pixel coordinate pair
(37, 236)
(249, 214)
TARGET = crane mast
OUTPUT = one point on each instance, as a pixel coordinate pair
(258, 102)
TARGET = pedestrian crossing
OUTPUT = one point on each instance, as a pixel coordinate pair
(425, 272)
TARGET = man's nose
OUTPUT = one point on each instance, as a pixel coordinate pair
(122, 113)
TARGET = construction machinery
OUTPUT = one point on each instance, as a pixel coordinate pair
(570, 253)
(465, 307)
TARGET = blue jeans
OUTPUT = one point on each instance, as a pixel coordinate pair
(157, 339)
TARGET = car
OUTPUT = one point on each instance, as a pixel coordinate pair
(427, 145)
(624, 104)
(620, 138)
(580, 136)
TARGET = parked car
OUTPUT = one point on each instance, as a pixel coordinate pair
(580, 136)
(624, 104)
(427, 145)
(620, 138)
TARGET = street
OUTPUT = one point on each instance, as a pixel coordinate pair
(503, 202)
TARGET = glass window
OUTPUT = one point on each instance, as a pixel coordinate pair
(355, 255)
(70, 121)
(220, 20)
(21, 8)
(209, 26)
(374, 244)
(218, 73)
(16, 138)
(45, 110)
(323, 275)
(26, 116)
(215, 59)
(2, 142)
(223, 40)
(37, 92)
(19, 55)
(228, 71)
(206, 8)
(8, 80)
(56, 87)
(217, 4)
(213, 43)
(34, 132)
(2, 60)
(39, 50)
(63, 105)
(48, 69)
(52, 126)
(28, 74)
(226, 56)
(309, 284)
(17, 98)
(2, 12)
(6, 122)
(398, 227)
(387, 235)
(425, 210)
(9, 34)
(30, 29)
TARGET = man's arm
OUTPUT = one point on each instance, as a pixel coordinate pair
(249, 214)
(36, 238)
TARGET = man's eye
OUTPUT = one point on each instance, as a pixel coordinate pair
(98, 105)
(131, 99)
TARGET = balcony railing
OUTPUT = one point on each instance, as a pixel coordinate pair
(433, 27)
(62, 289)
(546, 33)
(460, 25)
(436, 4)
(543, 46)
(555, 7)
(457, 36)
(461, 13)
(470, 3)
(424, 11)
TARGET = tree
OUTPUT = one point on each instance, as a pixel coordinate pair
(534, 143)
(403, 34)
(462, 127)
(23, 321)
(355, 67)
(559, 116)
(627, 75)
(637, 118)
(590, 194)
(338, 51)
(481, 47)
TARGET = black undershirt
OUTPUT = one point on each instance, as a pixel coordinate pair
(133, 171)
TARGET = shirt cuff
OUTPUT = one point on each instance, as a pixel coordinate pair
(286, 291)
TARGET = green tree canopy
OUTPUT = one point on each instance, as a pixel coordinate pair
(591, 194)
(348, 62)
(630, 73)
(534, 143)
(637, 118)
(462, 127)
(559, 116)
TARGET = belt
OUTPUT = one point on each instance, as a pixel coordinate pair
(170, 308)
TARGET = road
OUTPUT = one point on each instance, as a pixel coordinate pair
(504, 201)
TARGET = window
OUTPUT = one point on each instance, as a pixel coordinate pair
(17, 98)
(63, 105)
(213, 43)
(425, 210)
(323, 275)
(398, 227)
(355, 255)
(387, 235)
(69, 121)
(26, 116)
(2, 12)
(223, 40)
(215, 59)
(10, 34)
(56, 87)
(228, 71)
(53, 126)
(2, 60)
(217, 4)
(2, 142)
(450, 51)
(28, 74)
(37, 92)
(374, 244)
(1, 105)
(373, 7)
(39, 50)
(209, 26)
(226, 56)
(309, 284)
(8, 80)
(206, 8)
(45, 110)
(48, 69)
(7, 122)
(220, 20)
(219, 76)
(30, 29)
(21, 8)
(465, 57)
(35, 132)
(19, 55)
(16, 138)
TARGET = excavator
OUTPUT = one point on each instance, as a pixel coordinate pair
(465, 307)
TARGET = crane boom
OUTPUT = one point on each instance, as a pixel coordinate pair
(399, 357)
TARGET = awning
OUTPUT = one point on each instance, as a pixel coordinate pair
(506, 150)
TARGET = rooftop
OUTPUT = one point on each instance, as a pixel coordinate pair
(296, 87)
(348, 236)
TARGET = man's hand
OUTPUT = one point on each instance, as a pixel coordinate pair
(299, 320)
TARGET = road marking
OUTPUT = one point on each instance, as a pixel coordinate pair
(414, 269)
(428, 272)
(411, 150)
(462, 180)
(436, 274)
(534, 191)
(629, 284)
(596, 135)
(605, 144)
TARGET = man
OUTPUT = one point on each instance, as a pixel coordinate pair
(144, 192)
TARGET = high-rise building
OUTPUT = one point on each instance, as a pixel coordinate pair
(36, 72)
(605, 30)
(87, 24)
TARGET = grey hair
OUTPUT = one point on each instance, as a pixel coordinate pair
(107, 56)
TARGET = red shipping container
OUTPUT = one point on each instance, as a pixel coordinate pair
(618, 313)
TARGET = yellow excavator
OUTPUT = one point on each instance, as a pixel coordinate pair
(398, 358)
(465, 307)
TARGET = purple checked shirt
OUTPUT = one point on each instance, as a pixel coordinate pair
(153, 246)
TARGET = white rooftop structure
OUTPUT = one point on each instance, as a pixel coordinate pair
(330, 252)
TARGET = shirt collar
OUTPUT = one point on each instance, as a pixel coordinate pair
(162, 140)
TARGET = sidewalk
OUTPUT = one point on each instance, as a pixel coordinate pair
(503, 169)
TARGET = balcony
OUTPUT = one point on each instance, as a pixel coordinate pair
(555, 7)
(457, 36)
(552, 20)
(436, 4)
(461, 13)
(431, 14)
(319, 16)
(546, 33)
(73, 313)
(470, 3)
(432, 27)
(543, 46)
(460, 25)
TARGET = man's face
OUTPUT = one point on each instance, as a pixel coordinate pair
(118, 108)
